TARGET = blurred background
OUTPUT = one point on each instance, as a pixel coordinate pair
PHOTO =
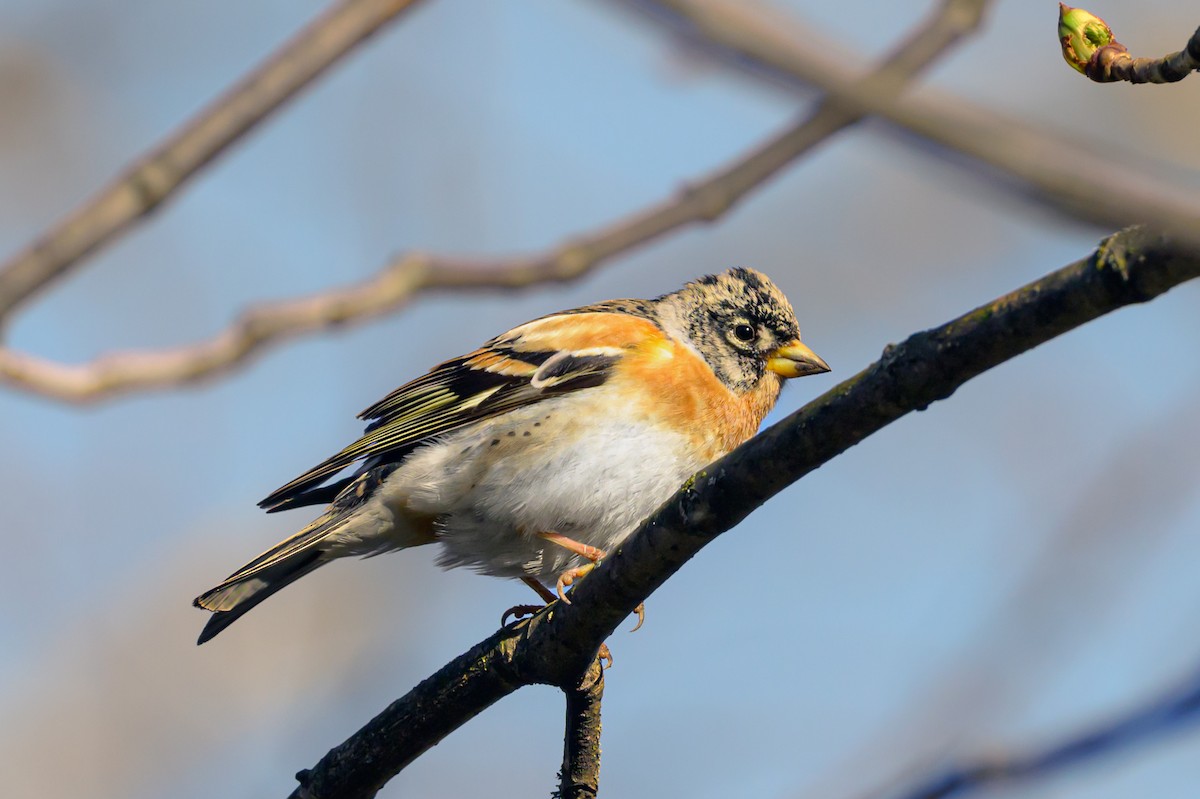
(1010, 566)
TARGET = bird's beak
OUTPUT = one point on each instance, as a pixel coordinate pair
(795, 359)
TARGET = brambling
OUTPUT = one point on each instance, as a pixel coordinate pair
(538, 452)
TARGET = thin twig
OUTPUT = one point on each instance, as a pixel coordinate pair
(580, 776)
(1113, 63)
(1071, 177)
(404, 277)
(1171, 712)
(556, 646)
(156, 176)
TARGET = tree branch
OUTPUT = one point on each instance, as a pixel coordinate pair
(557, 645)
(404, 277)
(157, 175)
(452, 696)
(580, 776)
(1070, 177)
(1171, 712)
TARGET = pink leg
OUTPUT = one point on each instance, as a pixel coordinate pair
(571, 575)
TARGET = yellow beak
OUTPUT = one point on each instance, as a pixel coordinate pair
(795, 359)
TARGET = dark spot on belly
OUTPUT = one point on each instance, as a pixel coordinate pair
(526, 433)
(512, 433)
(495, 441)
(537, 424)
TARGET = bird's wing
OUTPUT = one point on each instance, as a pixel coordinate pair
(544, 358)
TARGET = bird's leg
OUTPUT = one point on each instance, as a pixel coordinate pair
(545, 593)
(591, 553)
(571, 545)
(594, 556)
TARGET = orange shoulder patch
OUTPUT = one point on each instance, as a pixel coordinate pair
(582, 331)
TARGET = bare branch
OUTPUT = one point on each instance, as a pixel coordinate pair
(1089, 47)
(559, 644)
(1069, 177)
(157, 175)
(764, 39)
(452, 696)
(1168, 713)
(704, 201)
(580, 777)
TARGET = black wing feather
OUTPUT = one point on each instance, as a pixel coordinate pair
(449, 397)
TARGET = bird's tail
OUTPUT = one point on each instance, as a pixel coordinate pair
(289, 560)
(279, 566)
(234, 597)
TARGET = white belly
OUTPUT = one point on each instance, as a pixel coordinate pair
(495, 486)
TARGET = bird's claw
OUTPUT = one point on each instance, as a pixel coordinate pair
(640, 610)
(519, 611)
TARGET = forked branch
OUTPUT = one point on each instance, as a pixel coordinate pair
(558, 645)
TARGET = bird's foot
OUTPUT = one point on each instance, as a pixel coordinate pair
(593, 554)
(569, 576)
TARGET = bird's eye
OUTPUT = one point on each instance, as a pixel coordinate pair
(744, 333)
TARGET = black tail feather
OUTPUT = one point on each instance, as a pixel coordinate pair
(274, 579)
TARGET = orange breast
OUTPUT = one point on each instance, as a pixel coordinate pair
(675, 385)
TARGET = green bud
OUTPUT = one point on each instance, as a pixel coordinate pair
(1081, 34)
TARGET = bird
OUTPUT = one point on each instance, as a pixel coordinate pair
(534, 455)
